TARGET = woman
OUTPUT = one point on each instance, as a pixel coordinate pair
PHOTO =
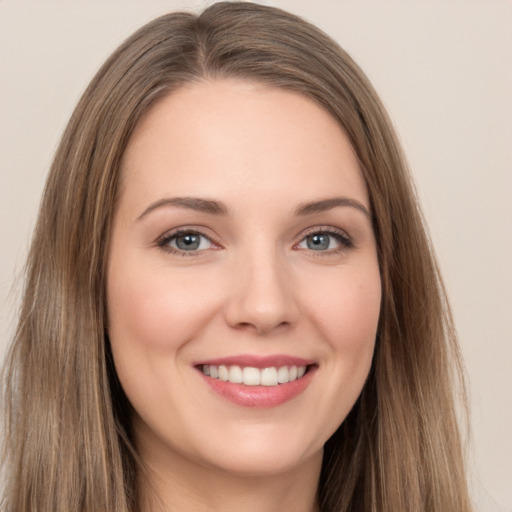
(231, 300)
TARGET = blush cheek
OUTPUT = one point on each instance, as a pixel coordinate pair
(156, 309)
(348, 315)
(361, 307)
(152, 315)
(350, 302)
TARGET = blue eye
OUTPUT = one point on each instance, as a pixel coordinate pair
(324, 241)
(319, 242)
(186, 241)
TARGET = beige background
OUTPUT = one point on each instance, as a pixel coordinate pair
(443, 68)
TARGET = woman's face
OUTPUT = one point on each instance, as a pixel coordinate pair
(242, 249)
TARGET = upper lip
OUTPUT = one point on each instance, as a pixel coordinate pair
(256, 361)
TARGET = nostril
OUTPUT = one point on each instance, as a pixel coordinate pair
(261, 303)
(261, 327)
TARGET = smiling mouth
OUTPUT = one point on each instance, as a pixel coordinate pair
(258, 381)
(251, 376)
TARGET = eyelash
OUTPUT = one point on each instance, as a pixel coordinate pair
(166, 239)
(345, 242)
(340, 236)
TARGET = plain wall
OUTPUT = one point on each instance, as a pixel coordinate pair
(444, 70)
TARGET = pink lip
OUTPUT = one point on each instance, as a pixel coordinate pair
(259, 396)
(257, 361)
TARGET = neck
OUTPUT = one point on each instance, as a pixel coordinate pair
(182, 485)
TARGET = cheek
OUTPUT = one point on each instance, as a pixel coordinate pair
(349, 325)
(153, 313)
(348, 306)
(347, 314)
(358, 308)
(154, 310)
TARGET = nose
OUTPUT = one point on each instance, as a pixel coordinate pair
(262, 298)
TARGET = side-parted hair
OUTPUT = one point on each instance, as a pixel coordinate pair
(68, 437)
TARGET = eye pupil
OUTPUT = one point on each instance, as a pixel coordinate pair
(188, 241)
(318, 242)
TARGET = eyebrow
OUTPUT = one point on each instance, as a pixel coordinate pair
(329, 204)
(191, 203)
(217, 208)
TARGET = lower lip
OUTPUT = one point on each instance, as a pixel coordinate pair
(260, 396)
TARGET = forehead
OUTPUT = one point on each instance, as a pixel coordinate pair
(222, 136)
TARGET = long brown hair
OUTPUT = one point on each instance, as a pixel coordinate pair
(67, 430)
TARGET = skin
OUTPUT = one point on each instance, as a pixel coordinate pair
(254, 286)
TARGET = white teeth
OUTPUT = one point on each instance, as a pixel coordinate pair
(283, 375)
(235, 375)
(250, 376)
(269, 377)
(223, 373)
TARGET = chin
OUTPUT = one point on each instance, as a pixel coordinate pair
(253, 463)
(262, 452)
